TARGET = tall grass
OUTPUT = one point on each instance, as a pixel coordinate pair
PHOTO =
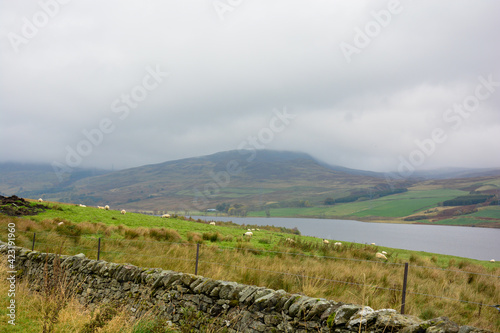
(53, 309)
(348, 274)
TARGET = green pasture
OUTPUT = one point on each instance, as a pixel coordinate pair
(489, 212)
(458, 221)
(231, 235)
(396, 205)
(263, 239)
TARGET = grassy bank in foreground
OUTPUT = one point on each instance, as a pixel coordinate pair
(50, 312)
(349, 273)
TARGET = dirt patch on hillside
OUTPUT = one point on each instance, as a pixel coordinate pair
(15, 206)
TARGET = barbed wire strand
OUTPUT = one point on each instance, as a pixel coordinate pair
(288, 253)
(454, 270)
(304, 276)
(346, 282)
(452, 299)
(299, 275)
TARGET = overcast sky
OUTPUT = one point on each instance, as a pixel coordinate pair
(368, 85)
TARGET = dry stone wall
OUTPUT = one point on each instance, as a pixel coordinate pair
(225, 306)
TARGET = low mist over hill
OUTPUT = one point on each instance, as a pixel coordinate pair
(248, 176)
(252, 178)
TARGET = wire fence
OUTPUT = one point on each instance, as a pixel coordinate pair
(128, 243)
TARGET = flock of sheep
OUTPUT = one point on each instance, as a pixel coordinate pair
(123, 211)
(379, 255)
(249, 233)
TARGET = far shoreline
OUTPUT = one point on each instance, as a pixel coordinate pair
(366, 220)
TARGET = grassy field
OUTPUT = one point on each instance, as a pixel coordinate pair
(463, 221)
(405, 204)
(489, 212)
(392, 206)
(485, 217)
(304, 264)
(395, 208)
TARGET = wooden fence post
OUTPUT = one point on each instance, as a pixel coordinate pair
(197, 256)
(99, 248)
(405, 279)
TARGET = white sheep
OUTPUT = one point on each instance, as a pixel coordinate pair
(106, 207)
(325, 241)
(212, 223)
(383, 252)
(40, 200)
(337, 244)
(380, 256)
(165, 216)
(373, 244)
(248, 233)
(82, 205)
(60, 224)
(100, 207)
(257, 229)
(492, 260)
(290, 240)
(123, 211)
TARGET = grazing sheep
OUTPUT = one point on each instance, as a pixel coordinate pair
(290, 240)
(165, 216)
(106, 207)
(212, 223)
(60, 224)
(123, 211)
(248, 233)
(325, 241)
(82, 205)
(100, 207)
(253, 229)
(257, 229)
(380, 256)
(383, 252)
(373, 244)
(40, 200)
(337, 244)
(492, 260)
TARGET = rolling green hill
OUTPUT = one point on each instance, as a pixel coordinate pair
(203, 182)
(263, 183)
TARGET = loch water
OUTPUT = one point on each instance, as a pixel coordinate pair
(468, 242)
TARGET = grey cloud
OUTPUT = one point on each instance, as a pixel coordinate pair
(226, 77)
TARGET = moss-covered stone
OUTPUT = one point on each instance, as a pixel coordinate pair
(331, 320)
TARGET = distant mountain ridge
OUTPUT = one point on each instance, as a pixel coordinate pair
(249, 177)
(449, 173)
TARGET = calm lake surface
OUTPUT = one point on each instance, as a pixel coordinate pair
(469, 242)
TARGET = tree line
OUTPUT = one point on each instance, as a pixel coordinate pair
(365, 195)
(471, 199)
